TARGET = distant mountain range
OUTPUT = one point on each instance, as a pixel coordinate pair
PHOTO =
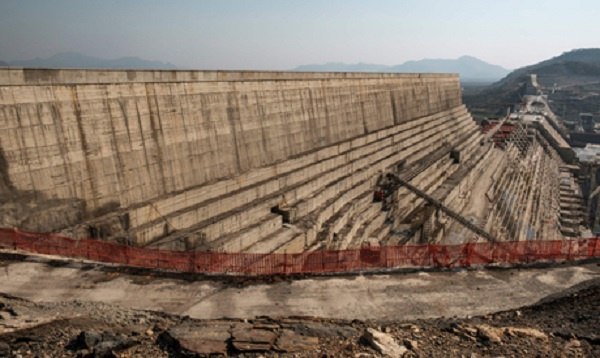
(342, 67)
(469, 68)
(77, 60)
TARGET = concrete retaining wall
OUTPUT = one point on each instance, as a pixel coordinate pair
(115, 139)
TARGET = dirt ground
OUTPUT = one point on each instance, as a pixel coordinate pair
(566, 324)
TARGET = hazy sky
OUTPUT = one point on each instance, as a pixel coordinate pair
(282, 34)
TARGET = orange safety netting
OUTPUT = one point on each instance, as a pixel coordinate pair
(366, 258)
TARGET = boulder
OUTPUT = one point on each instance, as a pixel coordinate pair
(290, 341)
(86, 340)
(384, 343)
(320, 330)
(252, 339)
(489, 333)
(526, 332)
(101, 344)
(410, 344)
(192, 338)
(107, 347)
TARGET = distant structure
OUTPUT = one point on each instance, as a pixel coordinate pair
(587, 122)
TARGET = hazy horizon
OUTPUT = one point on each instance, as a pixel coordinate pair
(281, 35)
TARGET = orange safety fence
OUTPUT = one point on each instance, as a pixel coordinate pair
(366, 258)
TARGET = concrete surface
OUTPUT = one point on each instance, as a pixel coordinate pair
(124, 142)
(199, 160)
(151, 153)
(396, 296)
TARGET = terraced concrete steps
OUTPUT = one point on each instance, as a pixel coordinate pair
(331, 179)
(324, 214)
(288, 183)
(369, 222)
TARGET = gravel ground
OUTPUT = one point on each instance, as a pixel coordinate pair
(567, 324)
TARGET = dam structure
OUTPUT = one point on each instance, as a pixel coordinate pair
(260, 162)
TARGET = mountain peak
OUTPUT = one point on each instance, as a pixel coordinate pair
(470, 58)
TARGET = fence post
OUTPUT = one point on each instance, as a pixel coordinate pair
(127, 254)
(384, 251)
(14, 238)
(193, 261)
(158, 256)
(431, 255)
(468, 251)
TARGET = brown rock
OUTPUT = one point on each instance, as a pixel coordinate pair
(271, 327)
(320, 330)
(489, 333)
(573, 344)
(244, 339)
(466, 332)
(384, 343)
(190, 337)
(470, 330)
(410, 344)
(526, 332)
(289, 341)
(4, 349)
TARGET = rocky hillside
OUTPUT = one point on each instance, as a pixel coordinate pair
(570, 73)
(567, 69)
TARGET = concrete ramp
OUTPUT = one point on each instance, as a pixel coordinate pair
(385, 297)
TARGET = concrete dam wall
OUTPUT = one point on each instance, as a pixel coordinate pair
(114, 140)
(129, 137)
(236, 161)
